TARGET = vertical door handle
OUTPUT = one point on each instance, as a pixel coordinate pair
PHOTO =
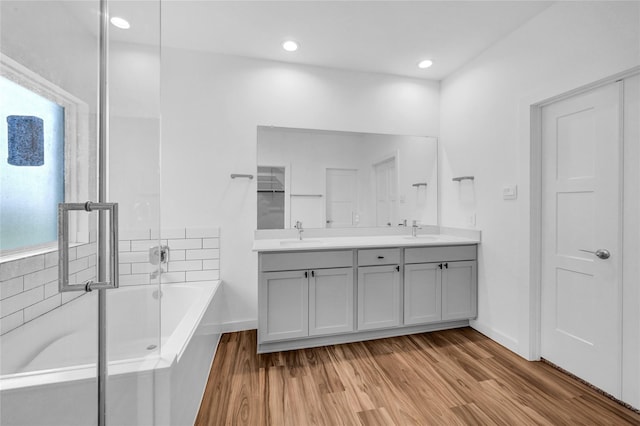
(398, 268)
(313, 273)
(63, 246)
(440, 266)
(306, 274)
(446, 265)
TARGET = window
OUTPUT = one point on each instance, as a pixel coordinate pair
(41, 130)
(31, 167)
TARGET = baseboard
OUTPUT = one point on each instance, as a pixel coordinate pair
(229, 327)
(497, 336)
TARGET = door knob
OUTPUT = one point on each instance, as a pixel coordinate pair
(600, 253)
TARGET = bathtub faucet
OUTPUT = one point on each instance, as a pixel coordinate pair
(158, 255)
(298, 226)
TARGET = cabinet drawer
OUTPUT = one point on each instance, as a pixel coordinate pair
(439, 254)
(306, 260)
(386, 256)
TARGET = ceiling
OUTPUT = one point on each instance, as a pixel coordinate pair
(388, 37)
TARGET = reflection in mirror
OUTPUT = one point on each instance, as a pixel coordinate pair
(331, 179)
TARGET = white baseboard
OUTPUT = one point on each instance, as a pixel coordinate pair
(497, 336)
(229, 327)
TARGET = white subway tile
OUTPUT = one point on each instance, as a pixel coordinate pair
(134, 257)
(203, 232)
(21, 301)
(92, 260)
(194, 243)
(142, 268)
(124, 268)
(50, 289)
(134, 234)
(40, 278)
(87, 274)
(211, 243)
(51, 259)
(172, 233)
(136, 279)
(73, 253)
(43, 307)
(211, 264)
(124, 245)
(173, 277)
(203, 254)
(12, 321)
(187, 265)
(78, 265)
(16, 268)
(202, 275)
(177, 255)
(86, 250)
(143, 245)
(11, 287)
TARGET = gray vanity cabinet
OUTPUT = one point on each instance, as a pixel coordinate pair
(422, 293)
(305, 294)
(379, 289)
(459, 290)
(440, 284)
(285, 311)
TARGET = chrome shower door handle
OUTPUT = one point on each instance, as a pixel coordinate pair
(600, 253)
(63, 246)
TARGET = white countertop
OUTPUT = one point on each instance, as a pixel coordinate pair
(328, 243)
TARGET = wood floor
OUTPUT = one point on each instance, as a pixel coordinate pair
(453, 377)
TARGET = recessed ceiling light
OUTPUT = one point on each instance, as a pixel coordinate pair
(120, 23)
(425, 64)
(290, 46)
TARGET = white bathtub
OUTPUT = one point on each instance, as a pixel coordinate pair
(47, 368)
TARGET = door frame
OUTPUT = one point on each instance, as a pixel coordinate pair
(535, 227)
(391, 156)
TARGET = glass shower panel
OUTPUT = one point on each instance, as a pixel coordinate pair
(49, 62)
(133, 172)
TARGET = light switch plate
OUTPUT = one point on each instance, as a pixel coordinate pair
(510, 192)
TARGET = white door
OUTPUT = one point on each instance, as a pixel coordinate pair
(581, 309)
(342, 198)
(386, 188)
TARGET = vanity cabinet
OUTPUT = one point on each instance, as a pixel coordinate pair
(318, 297)
(440, 284)
(303, 294)
(379, 287)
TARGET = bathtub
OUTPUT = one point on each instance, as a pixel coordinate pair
(156, 374)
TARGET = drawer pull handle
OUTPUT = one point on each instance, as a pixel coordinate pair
(380, 257)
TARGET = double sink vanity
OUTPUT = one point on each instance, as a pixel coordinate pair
(338, 289)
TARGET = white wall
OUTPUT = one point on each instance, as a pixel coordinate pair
(566, 46)
(211, 107)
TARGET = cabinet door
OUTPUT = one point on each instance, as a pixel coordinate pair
(459, 290)
(330, 301)
(378, 297)
(422, 293)
(284, 310)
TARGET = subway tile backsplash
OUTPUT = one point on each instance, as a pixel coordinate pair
(29, 285)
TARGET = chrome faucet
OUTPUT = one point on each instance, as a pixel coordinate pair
(298, 226)
(414, 228)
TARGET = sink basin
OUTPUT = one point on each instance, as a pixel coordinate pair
(298, 243)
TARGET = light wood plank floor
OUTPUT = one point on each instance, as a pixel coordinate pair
(453, 377)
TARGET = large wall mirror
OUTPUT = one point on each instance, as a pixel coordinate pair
(331, 179)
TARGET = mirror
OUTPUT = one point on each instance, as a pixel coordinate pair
(332, 179)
